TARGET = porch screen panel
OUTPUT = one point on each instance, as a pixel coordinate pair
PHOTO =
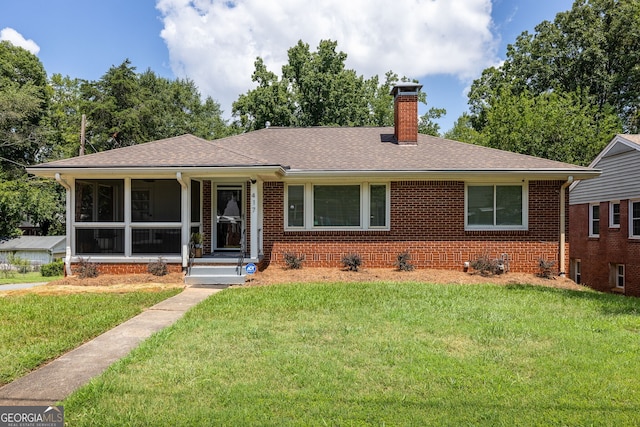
(336, 205)
(195, 201)
(95, 241)
(155, 240)
(99, 200)
(155, 200)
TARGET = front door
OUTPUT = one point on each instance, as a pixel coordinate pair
(229, 217)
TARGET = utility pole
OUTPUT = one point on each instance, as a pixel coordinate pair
(82, 129)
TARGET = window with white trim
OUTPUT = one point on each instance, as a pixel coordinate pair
(594, 220)
(614, 214)
(634, 219)
(617, 274)
(360, 206)
(496, 207)
(577, 271)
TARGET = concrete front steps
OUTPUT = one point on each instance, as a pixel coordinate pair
(225, 274)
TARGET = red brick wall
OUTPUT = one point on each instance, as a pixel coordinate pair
(612, 247)
(406, 118)
(427, 218)
(129, 268)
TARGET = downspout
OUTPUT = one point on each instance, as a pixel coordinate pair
(186, 219)
(563, 236)
(67, 257)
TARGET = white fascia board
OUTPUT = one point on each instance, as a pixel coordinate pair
(450, 175)
(160, 172)
(618, 139)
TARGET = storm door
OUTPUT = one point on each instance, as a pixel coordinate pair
(229, 217)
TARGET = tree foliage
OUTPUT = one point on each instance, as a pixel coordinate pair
(316, 89)
(125, 108)
(23, 101)
(590, 55)
(556, 126)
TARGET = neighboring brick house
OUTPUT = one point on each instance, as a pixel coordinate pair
(323, 192)
(605, 221)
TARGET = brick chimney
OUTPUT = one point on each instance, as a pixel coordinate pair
(405, 109)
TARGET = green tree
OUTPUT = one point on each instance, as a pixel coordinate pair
(126, 108)
(426, 123)
(316, 89)
(23, 101)
(592, 49)
(65, 115)
(269, 102)
(557, 126)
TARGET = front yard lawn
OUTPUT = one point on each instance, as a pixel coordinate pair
(31, 277)
(37, 328)
(380, 354)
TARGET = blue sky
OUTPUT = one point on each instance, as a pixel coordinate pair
(444, 44)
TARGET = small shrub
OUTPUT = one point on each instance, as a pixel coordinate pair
(6, 270)
(22, 265)
(293, 261)
(158, 267)
(487, 266)
(55, 268)
(546, 268)
(352, 261)
(85, 269)
(402, 261)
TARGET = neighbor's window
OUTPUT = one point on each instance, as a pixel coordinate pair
(363, 206)
(634, 218)
(99, 200)
(618, 275)
(594, 220)
(614, 214)
(577, 271)
(496, 206)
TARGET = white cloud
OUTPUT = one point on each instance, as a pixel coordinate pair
(215, 43)
(16, 39)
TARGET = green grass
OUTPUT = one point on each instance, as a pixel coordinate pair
(37, 328)
(31, 277)
(380, 354)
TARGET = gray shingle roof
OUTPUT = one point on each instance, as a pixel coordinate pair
(32, 242)
(313, 149)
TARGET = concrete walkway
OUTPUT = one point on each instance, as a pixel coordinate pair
(61, 377)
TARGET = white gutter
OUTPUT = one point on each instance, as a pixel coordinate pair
(449, 174)
(67, 257)
(160, 171)
(563, 237)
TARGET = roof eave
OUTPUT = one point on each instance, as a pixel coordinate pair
(166, 171)
(452, 174)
